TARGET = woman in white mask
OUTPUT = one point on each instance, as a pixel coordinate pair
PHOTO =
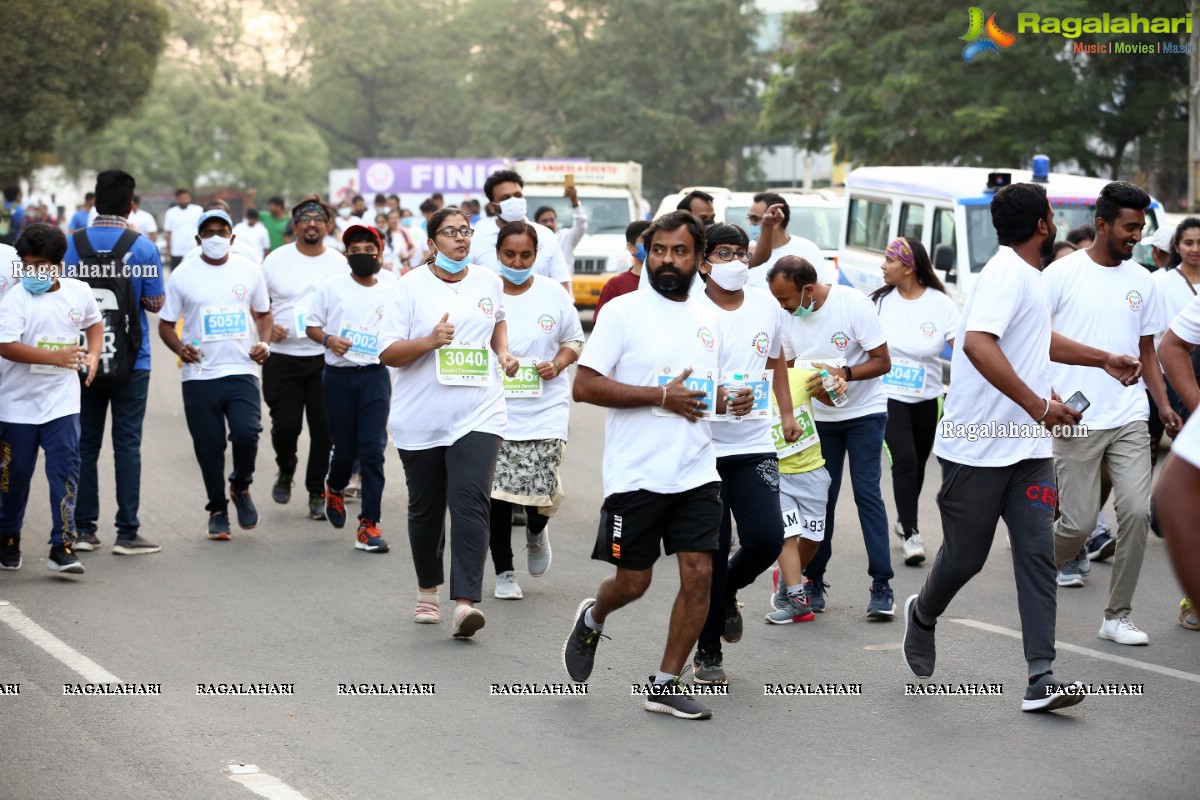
(751, 333)
(544, 333)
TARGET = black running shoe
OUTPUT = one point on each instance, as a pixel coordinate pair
(218, 526)
(708, 668)
(335, 508)
(733, 622)
(247, 514)
(63, 559)
(672, 700)
(87, 542)
(281, 492)
(316, 506)
(10, 551)
(579, 651)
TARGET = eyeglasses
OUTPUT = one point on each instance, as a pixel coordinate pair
(456, 233)
(310, 219)
(730, 255)
(224, 233)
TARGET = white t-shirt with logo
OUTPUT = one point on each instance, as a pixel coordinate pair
(34, 394)
(917, 331)
(1187, 444)
(364, 314)
(1174, 291)
(1109, 308)
(255, 235)
(540, 321)
(795, 246)
(846, 327)
(1187, 322)
(215, 303)
(292, 280)
(549, 262)
(425, 412)
(183, 224)
(1009, 301)
(749, 335)
(641, 334)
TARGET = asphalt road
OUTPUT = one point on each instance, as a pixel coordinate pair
(293, 602)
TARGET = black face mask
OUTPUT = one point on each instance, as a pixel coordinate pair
(364, 265)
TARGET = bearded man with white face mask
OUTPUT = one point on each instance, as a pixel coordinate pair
(506, 203)
(222, 299)
(750, 332)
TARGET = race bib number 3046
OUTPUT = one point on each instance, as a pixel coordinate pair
(697, 382)
(526, 383)
(463, 365)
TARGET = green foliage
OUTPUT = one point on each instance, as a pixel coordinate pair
(887, 84)
(71, 65)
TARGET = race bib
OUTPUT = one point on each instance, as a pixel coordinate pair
(463, 365)
(697, 382)
(44, 342)
(224, 323)
(760, 383)
(907, 378)
(808, 434)
(526, 383)
(301, 329)
(364, 343)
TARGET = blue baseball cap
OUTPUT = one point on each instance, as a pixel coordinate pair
(215, 213)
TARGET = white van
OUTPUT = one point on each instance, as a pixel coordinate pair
(948, 209)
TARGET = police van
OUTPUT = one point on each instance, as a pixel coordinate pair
(948, 209)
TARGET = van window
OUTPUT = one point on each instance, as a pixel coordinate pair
(943, 229)
(912, 220)
(868, 224)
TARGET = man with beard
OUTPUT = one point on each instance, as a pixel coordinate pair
(652, 361)
(994, 443)
(292, 384)
(1100, 297)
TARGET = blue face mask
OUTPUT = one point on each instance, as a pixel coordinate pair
(408, 222)
(641, 253)
(754, 232)
(450, 265)
(35, 285)
(803, 311)
(516, 276)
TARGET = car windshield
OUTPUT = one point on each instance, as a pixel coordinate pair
(818, 224)
(982, 235)
(605, 214)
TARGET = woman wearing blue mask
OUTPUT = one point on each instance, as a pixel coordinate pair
(448, 414)
(546, 337)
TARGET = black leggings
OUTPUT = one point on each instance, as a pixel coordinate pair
(909, 435)
(501, 537)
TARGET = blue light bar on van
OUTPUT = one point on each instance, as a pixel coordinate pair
(1041, 169)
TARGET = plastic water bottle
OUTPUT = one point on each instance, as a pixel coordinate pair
(733, 387)
(831, 387)
(200, 354)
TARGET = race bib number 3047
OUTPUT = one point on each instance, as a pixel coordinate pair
(463, 365)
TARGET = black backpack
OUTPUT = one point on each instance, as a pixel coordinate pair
(117, 298)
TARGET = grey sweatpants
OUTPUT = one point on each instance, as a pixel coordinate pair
(972, 501)
(459, 476)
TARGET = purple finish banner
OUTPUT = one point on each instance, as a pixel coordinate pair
(425, 175)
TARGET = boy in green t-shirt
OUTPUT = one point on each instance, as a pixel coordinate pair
(803, 494)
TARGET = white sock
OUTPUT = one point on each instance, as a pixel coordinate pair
(664, 677)
(590, 622)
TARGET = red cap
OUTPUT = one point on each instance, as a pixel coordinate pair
(353, 229)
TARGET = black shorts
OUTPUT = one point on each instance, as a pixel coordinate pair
(633, 524)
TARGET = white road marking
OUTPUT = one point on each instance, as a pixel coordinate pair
(261, 783)
(1083, 651)
(90, 670)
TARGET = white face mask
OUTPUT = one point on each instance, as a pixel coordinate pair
(731, 276)
(513, 209)
(215, 247)
(344, 212)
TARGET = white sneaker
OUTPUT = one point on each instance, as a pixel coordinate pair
(537, 552)
(506, 586)
(467, 620)
(1122, 631)
(914, 550)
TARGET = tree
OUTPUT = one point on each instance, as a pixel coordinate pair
(71, 65)
(888, 86)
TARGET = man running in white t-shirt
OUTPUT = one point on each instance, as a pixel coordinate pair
(652, 361)
(994, 443)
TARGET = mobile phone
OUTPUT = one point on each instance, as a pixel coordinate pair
(569, 180)
(1078, 402)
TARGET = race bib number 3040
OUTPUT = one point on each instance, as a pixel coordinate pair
(463, 365)
(697, 382)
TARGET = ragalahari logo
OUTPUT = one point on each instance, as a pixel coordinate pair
(984, 38)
